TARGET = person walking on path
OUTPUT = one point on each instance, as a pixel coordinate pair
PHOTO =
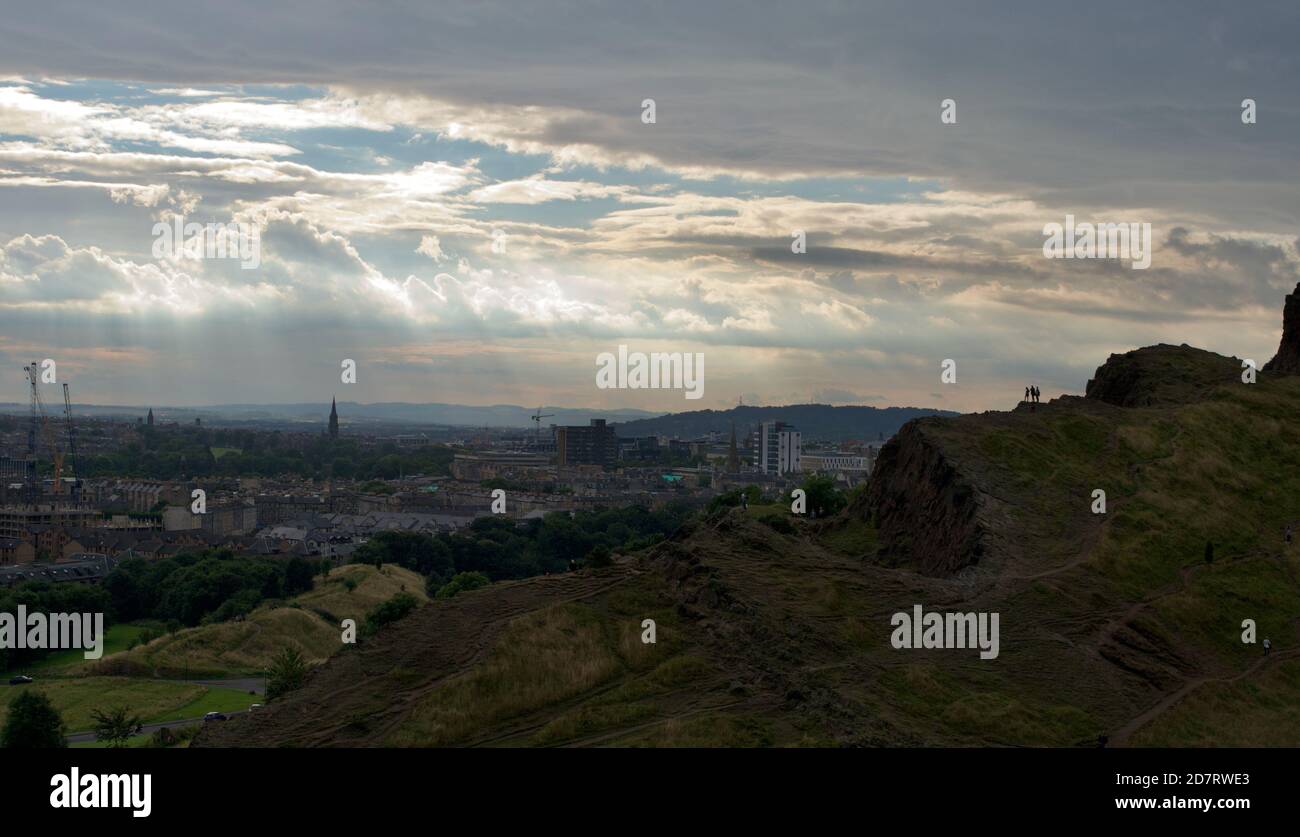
(1268, 646)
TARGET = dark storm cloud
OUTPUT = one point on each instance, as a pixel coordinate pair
(1136, 102)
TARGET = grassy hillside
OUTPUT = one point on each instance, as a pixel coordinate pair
(309, 622)
(1112, 624)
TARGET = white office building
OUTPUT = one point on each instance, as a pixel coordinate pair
(779, 449)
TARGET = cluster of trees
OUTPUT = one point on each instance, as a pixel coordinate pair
(823, 498)
(47, 597)
(209, 586)
(188, 452)
(181, 591)
(500, 548)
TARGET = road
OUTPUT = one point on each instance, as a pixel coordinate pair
(79, 737)
(257, 685)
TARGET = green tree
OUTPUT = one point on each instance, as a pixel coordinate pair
(462, 582)
(115, 726)
(287, 672)
(599, 557)
(297, 576)
(390, 611)
(823, 497)
(33, 723)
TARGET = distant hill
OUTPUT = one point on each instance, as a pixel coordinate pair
(814, 421)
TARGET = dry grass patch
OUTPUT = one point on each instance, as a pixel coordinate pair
(540, 659)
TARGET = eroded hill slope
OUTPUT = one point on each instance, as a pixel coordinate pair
(774, 630)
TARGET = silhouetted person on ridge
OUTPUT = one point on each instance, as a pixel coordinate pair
(1026, 393)
(1037, 393)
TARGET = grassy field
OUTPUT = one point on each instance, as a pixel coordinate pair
(77, 698)
(116, 639)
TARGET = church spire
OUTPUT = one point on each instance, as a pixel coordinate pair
(334, 417)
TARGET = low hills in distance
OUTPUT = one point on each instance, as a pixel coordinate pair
(814, 421)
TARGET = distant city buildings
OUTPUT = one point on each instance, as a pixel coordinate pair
(17, 521)
(13, 469)
(837, 462)
(489, 464)
(330, 513)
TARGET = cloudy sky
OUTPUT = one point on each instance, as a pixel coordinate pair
(382, 151)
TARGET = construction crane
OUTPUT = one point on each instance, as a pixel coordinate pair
(537, 417)
(72, 445)
(38, 415)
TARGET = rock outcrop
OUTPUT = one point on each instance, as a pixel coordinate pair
(926, 513)
(1161, 376)
(1287, 359)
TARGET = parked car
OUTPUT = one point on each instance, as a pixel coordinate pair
(254, 707)
(214, 716)
(19, 679)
